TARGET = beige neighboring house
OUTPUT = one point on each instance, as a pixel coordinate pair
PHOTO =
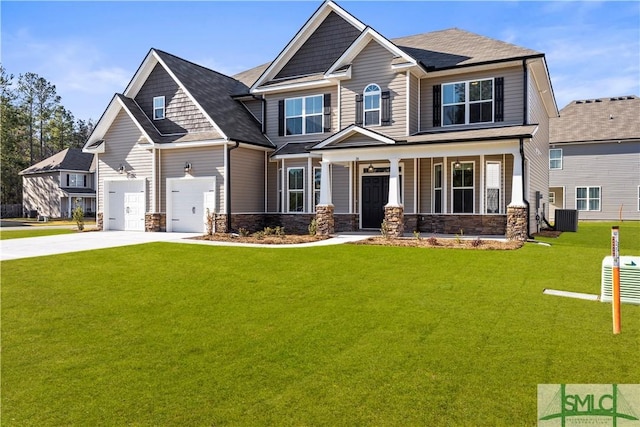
(594, 159)
(52, 187)
(440, 132)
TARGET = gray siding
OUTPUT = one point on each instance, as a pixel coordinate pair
(513, 94)
(120, 148)
(272, 186)
(247, 180)
(373, 65)
(537, 155)
(272, 115)
(408, 185)
(414, 104)
(322, 48)
(425, 196)
(181, 114)
(615, 168)
(42, 193)
(255, 108)
(205, 161)
(340, 188)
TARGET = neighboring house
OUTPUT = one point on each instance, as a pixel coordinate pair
(52, 187)
(443, 132)
(594, 159)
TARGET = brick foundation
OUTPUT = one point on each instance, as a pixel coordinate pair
(462, 224)
(292, 223)
(155, 222)
(346, 222)
(325, 220)
(394, 220)
(517, 220)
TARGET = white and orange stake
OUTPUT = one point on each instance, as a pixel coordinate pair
(615, 274)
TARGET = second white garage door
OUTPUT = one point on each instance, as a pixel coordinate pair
(187, 203)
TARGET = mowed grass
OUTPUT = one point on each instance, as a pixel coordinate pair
(171, 334)
(37, 232)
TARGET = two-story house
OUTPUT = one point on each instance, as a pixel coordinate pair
(594, 159)
(442, 132)
(53, 187)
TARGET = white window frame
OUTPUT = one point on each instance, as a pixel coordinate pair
(467, 103)
(317, 179)
(552, 197)
(472, 187)
(588, 199)
(158, 108)
(554, 159)
(499, 188)
(433, 203)
(377, 92)
(303, 115)
(76, 180)
(295, 190)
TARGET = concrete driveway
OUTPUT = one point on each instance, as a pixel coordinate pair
(78, 242)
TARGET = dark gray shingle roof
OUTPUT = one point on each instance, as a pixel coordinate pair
(72, 159)
(213, 91)
(602, 119)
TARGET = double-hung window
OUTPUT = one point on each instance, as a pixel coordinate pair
(588, 198)
(372, 95)
(467, 102)
(463, 188)
(158, 107)
(295, 187)
(493, 181)
(76, 180)
(317, 175)
(555, 158)
(304, 115)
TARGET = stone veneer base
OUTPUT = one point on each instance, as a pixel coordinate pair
(394, 220)
(324, 220)
(517, 220)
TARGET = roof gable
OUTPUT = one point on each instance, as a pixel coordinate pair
(355, 136)
(603, 119)
(305, 34)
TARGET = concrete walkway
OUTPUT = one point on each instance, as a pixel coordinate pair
(79, 242)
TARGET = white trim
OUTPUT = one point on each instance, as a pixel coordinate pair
(588, 198)
(408, 112)
(472, 188)
(467, 102)
(416, 183)
(351, 130)
(339, 105)
(303, 115)
(313, 187)
(191, 144)
(297, 156)
(310, 202)
(296, 190)
(482, 184)
(419, 106)
(377, 93)
(154, 108)
(561, 158)
(434, 188)
(351, 179)
(500, 188)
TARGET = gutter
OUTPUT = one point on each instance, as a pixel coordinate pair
(228, 190)
(524, 198)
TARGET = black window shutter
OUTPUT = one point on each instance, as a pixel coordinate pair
(436, 106)
(359, 109)
(386, 108)
(67, 180)
(499, 99)
(85, 180)
(327, 112)
(281, 117)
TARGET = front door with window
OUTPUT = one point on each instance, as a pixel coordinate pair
(375, 192)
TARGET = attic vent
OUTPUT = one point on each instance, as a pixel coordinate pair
(629, 97)
(614, 99)
(598, 100)
(621, 98)
(588, 101)
(578, 102)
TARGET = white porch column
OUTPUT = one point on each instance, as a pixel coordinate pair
(394, 182)
(325, 183)
(517, 197)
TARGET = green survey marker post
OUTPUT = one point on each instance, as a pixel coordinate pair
(615, 277)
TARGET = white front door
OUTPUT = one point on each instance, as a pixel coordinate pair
(134, 211)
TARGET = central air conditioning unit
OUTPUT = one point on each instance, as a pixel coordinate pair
(629, 279)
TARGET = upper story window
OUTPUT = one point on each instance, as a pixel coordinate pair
(371, 96)
(467, 102)
(304, 115)
(555, 158)
(158, 107)
(76, 180)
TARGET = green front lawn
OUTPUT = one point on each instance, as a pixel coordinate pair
(36, 232)
(172, 334)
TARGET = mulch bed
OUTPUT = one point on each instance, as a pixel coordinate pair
(287, 239)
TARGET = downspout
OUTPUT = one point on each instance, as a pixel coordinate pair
(228, 179)
(524, 194)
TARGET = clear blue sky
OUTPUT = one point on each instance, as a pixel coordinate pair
(90, 50)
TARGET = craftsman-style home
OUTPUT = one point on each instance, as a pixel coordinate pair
(442, 132)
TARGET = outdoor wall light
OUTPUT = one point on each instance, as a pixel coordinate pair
(371, 169)
(457, 164)
(187, 167)
(121, 169)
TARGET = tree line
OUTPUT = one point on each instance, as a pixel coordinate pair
(33, 126)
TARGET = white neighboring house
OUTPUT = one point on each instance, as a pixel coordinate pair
(51, 188)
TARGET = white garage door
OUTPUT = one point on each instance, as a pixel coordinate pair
(125, 205)
(187, 203)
